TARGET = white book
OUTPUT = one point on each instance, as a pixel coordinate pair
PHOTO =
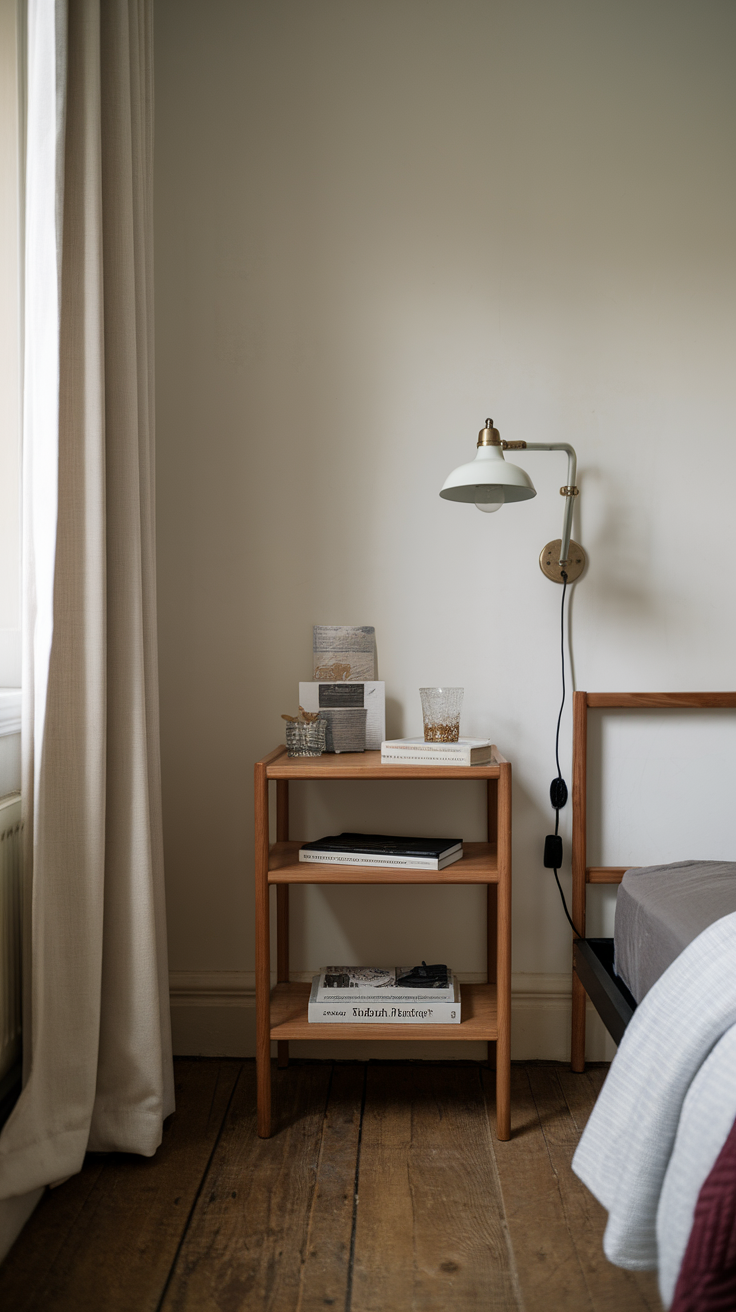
(390, 1011)
(411, 751)
(351, 983)
(385, 862)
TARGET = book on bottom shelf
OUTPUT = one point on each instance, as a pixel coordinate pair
(379, 983)
(405, 1010)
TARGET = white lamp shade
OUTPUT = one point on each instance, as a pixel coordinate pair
(486, 477)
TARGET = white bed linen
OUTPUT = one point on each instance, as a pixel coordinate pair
(628, 1142)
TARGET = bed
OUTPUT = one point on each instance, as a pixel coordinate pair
(660, 1147)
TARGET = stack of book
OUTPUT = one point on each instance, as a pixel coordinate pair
(385, 850)
(414, 751)
(393, 995)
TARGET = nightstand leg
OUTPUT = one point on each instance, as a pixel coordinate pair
(282, 957)
(263, 958)
(491, 949)
(503, 969)
(492, 919)
(282, 933)
(579, 864)
(491, 898)
(282, 908)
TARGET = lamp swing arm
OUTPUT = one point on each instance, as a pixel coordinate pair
(569, 492)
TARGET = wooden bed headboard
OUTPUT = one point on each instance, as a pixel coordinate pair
(582, 873)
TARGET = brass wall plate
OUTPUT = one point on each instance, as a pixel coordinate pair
(549, 558)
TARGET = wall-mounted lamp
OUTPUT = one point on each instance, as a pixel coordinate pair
(489, 483)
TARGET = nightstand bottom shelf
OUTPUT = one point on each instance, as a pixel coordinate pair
(289, 1019)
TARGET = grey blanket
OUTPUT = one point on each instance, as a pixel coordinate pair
(661, 909)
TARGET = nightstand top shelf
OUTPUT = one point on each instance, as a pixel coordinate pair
(367, 765)
(478, 865)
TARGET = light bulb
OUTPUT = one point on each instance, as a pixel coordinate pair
(488, 507)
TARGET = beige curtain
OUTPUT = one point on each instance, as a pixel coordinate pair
(96, 1033)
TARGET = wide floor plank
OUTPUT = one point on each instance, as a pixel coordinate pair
(550, 1274)
(430, 1232)
(247, 1239)
(610, 1289)
(325, 1275)
(580, 1092)
(108, 1237)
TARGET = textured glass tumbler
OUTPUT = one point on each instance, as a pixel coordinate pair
(441, 712)
(306, 739)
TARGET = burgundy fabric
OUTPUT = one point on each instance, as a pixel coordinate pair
(707, 1279)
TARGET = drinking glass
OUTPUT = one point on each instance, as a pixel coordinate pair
(441, 712)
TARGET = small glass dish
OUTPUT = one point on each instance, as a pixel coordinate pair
(306, 739)
(441, 713)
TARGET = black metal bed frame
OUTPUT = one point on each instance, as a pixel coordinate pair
(593, 960)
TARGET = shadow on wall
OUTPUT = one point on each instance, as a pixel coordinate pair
(619, 550)
(394, 718)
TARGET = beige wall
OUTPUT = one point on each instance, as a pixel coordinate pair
(378, 222)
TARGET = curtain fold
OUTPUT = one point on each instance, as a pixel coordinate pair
(97, 1044)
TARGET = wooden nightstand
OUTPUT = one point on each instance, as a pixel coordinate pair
(281, 1014)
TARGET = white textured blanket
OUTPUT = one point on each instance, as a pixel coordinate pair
(628, 1142)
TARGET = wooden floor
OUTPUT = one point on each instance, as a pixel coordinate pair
(384, 1190)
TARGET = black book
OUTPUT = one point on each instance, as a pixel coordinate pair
(384, 850)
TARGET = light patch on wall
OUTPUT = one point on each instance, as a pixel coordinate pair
(377, 225)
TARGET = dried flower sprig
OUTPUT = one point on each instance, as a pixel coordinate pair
(304, 717)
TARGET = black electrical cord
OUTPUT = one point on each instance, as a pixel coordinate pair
(562, 665)
(558, 791)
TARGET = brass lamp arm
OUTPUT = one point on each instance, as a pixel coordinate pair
(569, 492)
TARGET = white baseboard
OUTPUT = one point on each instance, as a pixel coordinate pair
(213, 1015)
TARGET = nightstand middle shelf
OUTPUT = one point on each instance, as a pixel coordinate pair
(478, 865)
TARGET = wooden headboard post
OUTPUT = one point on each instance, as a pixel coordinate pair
(582, 873)
(579, 862)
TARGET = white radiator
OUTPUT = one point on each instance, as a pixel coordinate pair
(10, 933)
